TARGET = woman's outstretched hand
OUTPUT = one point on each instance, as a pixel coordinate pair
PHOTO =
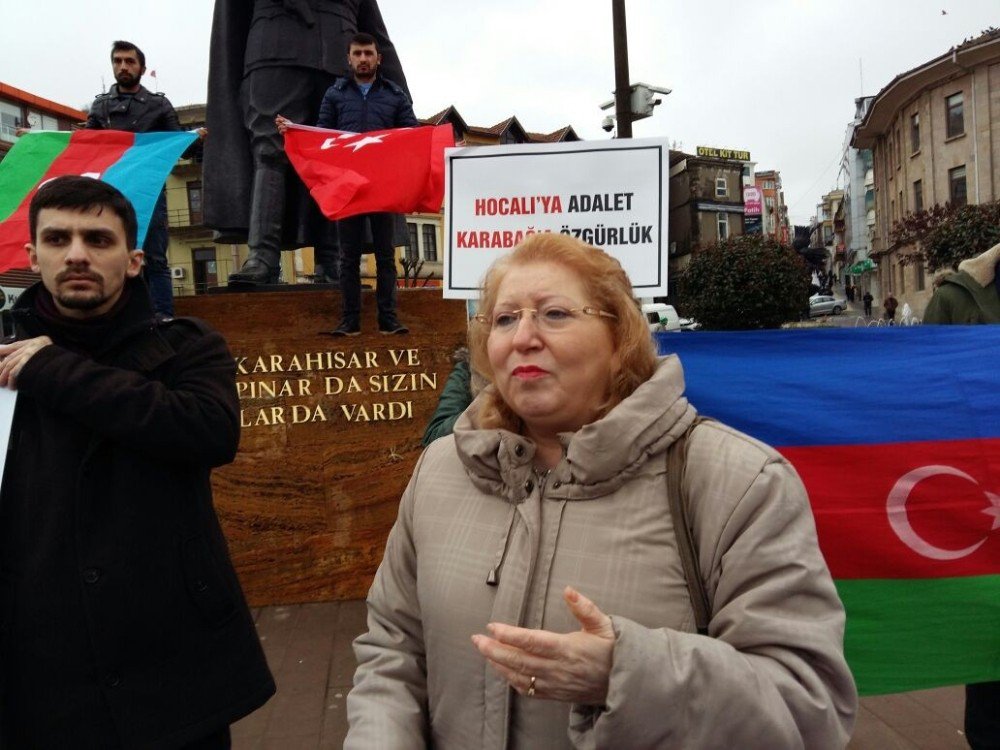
(570, 667)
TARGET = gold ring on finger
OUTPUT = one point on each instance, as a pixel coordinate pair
(531, 687)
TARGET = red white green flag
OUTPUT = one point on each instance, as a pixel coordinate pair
(135, 163)
(896, 435)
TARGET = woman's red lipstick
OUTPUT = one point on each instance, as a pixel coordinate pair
(528, 371)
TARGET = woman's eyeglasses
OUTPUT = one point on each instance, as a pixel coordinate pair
(548, 319)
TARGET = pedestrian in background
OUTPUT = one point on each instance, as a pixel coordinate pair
(890, 304)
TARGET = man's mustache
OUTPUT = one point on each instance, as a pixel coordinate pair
(78, 274)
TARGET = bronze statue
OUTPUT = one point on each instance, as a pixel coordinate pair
(273, 57)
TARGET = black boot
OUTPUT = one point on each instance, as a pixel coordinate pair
(255, 271)
(267, 207)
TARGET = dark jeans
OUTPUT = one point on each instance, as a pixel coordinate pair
(352, 235)
(156, 271)
(982, 715)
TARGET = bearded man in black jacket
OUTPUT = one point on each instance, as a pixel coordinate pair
(122, 623)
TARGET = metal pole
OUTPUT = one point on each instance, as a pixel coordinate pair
(623, 104)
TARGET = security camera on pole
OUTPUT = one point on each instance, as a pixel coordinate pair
(631, 102)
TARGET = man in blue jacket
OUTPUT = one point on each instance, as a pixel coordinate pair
(362, 102)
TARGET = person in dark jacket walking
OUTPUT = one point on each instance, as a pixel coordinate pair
(972, 297)
(122, 623)
(363, 102)
(868, 299)
(132, 107)
(889, 304)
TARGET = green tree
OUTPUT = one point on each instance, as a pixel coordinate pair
(745, 283)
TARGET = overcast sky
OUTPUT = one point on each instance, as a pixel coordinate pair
(775, 77)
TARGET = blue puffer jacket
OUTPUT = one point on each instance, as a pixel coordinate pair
(386, 106)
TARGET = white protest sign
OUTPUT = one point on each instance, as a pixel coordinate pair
(611, 194)
(8, 399)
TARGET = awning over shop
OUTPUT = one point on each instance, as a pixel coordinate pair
(861, 266)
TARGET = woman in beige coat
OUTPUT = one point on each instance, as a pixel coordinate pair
(532, 593)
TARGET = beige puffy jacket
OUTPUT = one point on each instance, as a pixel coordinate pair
(772, 675)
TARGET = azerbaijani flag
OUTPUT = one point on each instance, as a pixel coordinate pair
(135, 163)
(896, 434)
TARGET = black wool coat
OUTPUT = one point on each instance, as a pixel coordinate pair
(122, 623)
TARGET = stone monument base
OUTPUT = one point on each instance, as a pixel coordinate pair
(331, 430)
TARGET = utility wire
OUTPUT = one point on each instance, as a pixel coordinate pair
(809, 190)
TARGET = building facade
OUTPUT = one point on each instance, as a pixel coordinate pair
(858, 179)
(21, 109)
(934, 133)
(775, 212)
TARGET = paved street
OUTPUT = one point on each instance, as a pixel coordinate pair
(309, 649)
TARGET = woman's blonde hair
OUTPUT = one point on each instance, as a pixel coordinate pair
(608, 288)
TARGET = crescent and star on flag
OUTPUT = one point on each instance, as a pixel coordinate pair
(900, 522)
(344, 139)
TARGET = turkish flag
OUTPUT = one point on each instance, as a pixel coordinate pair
(398, 171)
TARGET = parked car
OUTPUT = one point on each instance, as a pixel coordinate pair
(661, 317)
(826, 304)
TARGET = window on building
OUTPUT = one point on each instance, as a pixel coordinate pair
(914, 133)
(194, 202)
(918, 196)
(892, 209)
(899, 149)
(918, 269)
(430, 242)
(412, 249)
(10, 120)
(955, 117)
(769, 203)
(769, 184)
(956, 186)
(902, 278)
(39, 121)
(722, 221)
(720, 187)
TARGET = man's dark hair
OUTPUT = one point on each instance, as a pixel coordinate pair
(120, 45)
(77, 193)
(364, 39)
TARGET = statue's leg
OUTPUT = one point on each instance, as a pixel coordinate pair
(265, 93)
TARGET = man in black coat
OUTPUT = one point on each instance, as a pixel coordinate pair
(271, 57)
(122, 623)
(132, 107)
